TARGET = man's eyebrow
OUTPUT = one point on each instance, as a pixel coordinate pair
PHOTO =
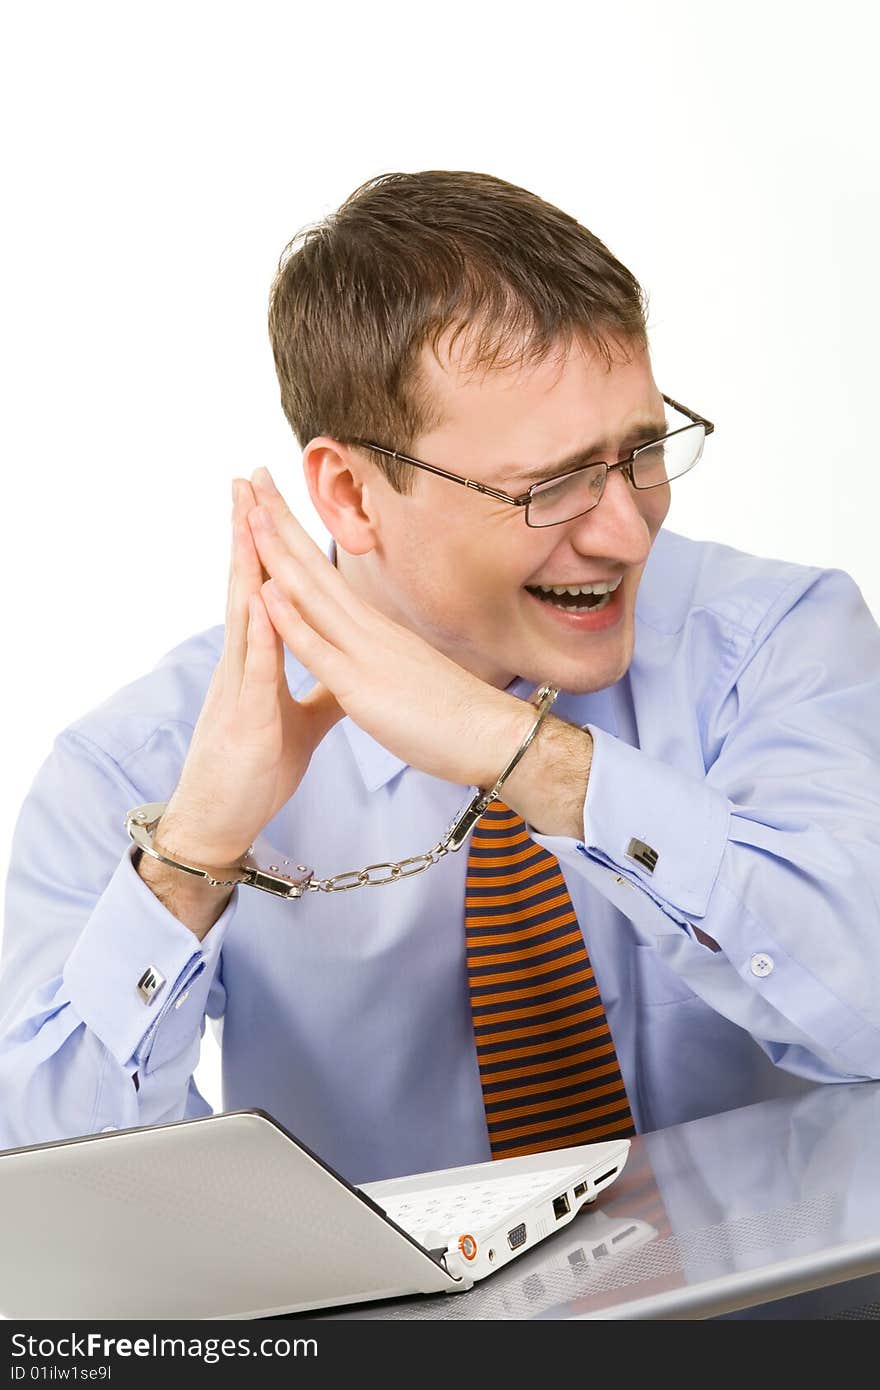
(643, 430)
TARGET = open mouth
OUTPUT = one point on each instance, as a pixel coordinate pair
(575, 599)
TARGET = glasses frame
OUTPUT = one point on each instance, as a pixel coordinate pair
(523, 500)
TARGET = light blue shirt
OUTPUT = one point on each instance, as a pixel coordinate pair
(743, 746)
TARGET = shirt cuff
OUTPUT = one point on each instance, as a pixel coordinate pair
(658, 828)
(132, 939)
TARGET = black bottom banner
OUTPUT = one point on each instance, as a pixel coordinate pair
(296, 1350)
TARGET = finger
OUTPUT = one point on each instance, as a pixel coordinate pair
(321, 658)
(245, 577)
(235, 642)
(318, 581)
(263, 667)
(336, 618)
(297, 540)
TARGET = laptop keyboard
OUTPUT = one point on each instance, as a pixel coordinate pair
(472, 1205)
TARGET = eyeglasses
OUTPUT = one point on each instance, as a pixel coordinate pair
(573, 494)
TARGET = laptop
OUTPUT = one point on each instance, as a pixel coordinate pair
(555, 1279)
(231, 1216)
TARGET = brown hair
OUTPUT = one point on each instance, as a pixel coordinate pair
(408, 257)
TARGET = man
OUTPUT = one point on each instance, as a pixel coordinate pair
(671, 907)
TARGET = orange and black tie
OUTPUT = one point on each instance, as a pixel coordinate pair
(548, 1067)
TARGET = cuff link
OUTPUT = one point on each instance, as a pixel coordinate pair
(642, 854)
(150, 983)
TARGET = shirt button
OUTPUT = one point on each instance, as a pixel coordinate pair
(761, 964)
(184, 996)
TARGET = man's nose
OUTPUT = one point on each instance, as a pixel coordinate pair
(616, 525)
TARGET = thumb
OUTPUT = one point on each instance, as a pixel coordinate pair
(322, 707)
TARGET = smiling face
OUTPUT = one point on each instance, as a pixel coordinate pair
(457, 567)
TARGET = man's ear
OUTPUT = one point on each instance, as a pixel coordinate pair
(342, 487)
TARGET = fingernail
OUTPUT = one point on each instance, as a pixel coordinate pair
(264, 479)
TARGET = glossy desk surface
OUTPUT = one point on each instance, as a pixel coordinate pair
(744, 1210)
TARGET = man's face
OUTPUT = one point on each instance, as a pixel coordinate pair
(457, 567)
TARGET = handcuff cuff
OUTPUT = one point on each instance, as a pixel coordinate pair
(285, 879)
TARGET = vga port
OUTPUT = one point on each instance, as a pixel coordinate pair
(517, 1236)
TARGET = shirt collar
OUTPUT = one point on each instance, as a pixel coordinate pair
(378, 766)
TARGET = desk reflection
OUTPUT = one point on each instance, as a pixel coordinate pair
(719, 1213)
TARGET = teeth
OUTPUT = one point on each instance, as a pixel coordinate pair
(606, 587)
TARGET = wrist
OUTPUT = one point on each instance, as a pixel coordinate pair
(189, 898)
(508, 731)
(175, 835)
(549, 787)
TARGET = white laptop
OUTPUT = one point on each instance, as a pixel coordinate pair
(230, 1216)
(555, 1279)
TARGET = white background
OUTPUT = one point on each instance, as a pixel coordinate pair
(157, 158)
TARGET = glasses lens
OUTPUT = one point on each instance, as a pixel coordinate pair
(669, 459)
(564, 498)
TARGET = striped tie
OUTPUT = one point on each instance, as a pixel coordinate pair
(548, 1067)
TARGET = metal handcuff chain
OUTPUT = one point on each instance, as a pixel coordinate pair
(140, 822)
(365, 878)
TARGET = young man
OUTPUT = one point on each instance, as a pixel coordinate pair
(671, 906)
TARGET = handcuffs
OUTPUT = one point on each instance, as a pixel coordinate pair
(285, 879)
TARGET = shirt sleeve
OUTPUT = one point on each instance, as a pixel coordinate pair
(81, 1048)
(759, 881)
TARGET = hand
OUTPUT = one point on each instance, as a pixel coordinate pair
(252, 742)
(411, 698)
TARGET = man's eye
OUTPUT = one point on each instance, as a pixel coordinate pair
(568, 484)
(555, 488)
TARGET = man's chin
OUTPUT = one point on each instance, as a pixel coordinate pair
(581, 676)
(539, 662)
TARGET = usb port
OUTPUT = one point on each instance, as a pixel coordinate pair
(580, 1190)
(561, 1206)
(517, 1236)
